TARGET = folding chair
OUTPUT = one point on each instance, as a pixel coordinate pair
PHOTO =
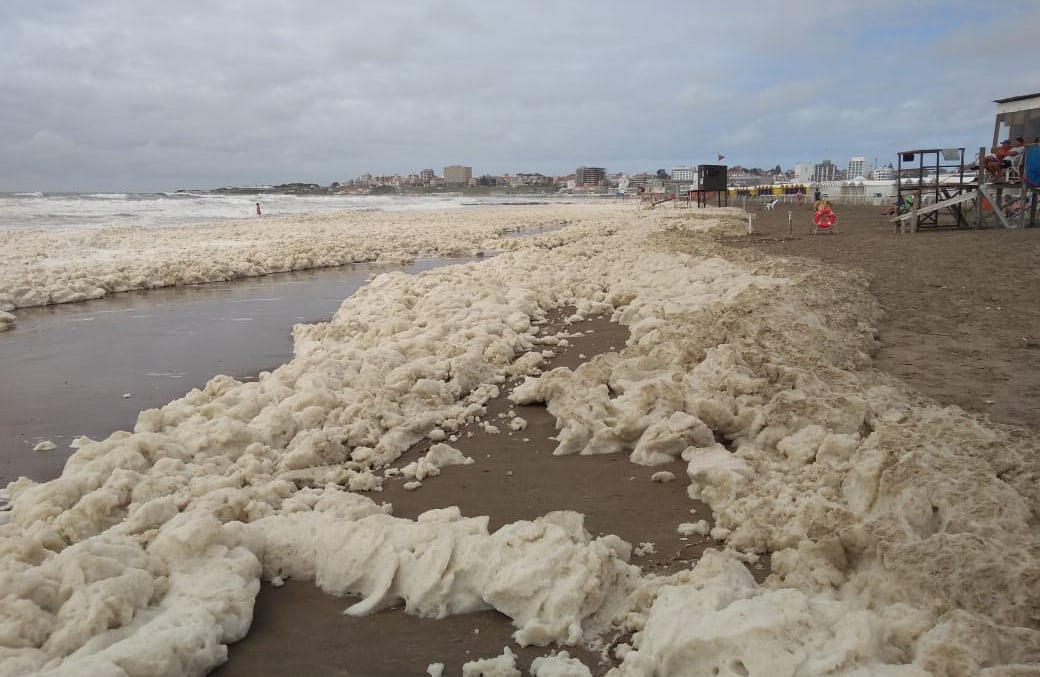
(1013, 173)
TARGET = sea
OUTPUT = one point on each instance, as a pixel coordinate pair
(95, 210)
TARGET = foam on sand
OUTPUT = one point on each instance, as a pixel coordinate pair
(44, 267)
(902, 533)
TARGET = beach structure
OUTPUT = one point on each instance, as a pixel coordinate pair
(936, 188)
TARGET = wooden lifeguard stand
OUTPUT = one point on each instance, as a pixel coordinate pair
(944, 192)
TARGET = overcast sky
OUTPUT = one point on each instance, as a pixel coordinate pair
(139, 95)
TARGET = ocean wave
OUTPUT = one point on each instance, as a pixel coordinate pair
(93, 210)
(102, 196)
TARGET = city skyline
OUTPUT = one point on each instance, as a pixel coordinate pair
(123, 96)
(679, 172)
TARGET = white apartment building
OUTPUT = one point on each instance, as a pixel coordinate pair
(684, 173)
(857, 167)
(884, 174)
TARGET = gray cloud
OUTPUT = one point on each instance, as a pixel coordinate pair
(147, 95)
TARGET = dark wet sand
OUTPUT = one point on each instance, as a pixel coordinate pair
(73, 363)
(298, 629)
(66, 368)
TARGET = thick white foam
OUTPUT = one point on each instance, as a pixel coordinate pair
(900, 532)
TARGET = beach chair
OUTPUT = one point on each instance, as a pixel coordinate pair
(1013, 173)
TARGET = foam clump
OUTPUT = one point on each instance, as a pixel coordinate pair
(548, 575)
(439, 456)
(559, 665)
(698, 528)
(715, 620)
(503, 665)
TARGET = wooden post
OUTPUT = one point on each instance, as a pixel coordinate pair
(790, 227)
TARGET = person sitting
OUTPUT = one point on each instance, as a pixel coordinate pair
(1015, 154)
(1004, 156)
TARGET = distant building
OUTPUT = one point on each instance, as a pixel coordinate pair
(640, 180)
(426, 175)
(857, 167)
(533, 179)
(589, 176)
(684, 174)
(458, 175)
(825, 171)
(884, 173)
(803, 172)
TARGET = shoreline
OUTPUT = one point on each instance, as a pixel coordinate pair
(62, 266)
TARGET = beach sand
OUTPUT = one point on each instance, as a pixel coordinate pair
(298, 629)
(962, 307)
(958, 306)
(961, 316)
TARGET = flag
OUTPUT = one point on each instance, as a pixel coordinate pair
(721, 157)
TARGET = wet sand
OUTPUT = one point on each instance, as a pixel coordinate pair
(68, 367)
(80, 358)
(962, 315)
(299, 629)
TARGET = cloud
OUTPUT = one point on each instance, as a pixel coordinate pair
(148, 95)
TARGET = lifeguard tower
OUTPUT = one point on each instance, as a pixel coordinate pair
(937, 189)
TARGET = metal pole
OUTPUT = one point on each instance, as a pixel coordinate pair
(980, 178)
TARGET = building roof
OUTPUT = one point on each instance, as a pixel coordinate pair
(1017, 98)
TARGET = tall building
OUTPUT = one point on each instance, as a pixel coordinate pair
(426, 176)
(803, 172)
(589, 176)
(825, 171)
(683, 173)
(857, 167)
(457, 175)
